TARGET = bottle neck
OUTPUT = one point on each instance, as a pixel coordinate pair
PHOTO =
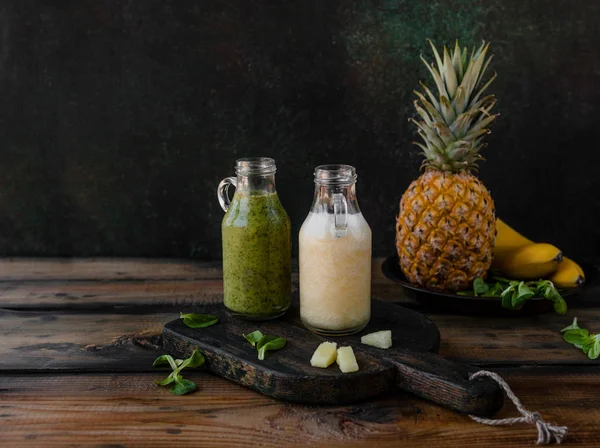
(323, 201)
(256, 184)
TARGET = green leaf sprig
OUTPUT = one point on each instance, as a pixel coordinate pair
(198, 320)
(182, 386)
(581, 338)
(264, 342)
(515, 293)
(254, 337)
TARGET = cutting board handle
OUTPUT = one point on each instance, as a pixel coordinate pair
(447, 383)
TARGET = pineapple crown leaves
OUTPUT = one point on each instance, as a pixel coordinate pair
(454, 123)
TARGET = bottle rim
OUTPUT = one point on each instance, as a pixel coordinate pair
(255, 165)
(335, 174)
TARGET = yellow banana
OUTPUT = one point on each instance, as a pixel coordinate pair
(541, 261)
(507, 240)
(530, 262)
(507, 237)
(568, 275)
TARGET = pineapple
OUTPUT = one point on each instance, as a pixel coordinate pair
(445, 231)
(379, 339)
(324, 355)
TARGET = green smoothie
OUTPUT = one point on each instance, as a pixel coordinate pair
(256, 256)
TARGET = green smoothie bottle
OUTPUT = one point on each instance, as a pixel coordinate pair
(257, 279)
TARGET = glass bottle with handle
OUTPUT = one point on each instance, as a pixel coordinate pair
(256, 243)
(335, 256)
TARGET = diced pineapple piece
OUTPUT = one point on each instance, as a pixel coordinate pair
(324, 355)
(346, 360)
(379, 339)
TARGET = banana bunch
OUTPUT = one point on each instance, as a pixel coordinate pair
(520, 258)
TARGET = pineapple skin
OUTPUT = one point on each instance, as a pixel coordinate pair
(445, 231)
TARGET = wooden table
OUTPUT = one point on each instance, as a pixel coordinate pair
(78, 338)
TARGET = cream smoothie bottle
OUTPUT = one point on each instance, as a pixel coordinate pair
(335, 256)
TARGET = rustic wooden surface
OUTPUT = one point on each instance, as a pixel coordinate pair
(78, 337)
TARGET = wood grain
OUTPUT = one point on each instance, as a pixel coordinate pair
(98, 269)
(522, 340)
(154, 294)
(107, 341)
(153, 285)
(87, 296)
(157, 285)
(69, 269)
(170, 294)
(79, 342)
(129, 410)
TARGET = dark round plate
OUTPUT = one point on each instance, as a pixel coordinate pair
(472, 305)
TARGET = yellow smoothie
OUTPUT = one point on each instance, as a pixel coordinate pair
(335, 274)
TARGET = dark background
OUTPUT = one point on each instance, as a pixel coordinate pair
(119, 118)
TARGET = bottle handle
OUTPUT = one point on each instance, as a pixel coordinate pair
(340, 213)
(222, 191)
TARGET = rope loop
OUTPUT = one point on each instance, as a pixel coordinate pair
(546, 432)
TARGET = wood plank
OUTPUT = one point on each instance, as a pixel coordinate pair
(97, 284)
(129, 410)
(161, 294)
(525, 340)
(85, 295)
(168, 285)
(79, 342)
(40, 269)
(100, 269)
(107, 342)
(165, 294)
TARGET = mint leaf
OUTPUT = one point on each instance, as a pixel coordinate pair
(264, 342)
(581, 338)
(525, 291)
(560, 306)
(507, 295)
(594, 351)
(165, 359)
(578, 338)
(254, 337)
(479, 286)
(515, 293)
(183, 387)
(494, 291)
(167, 380)
(520, 294)
(551, 293)
(198, 320)
(573, 326)
(515, 300)
(194, 361)
(273, 343)
(540, 287)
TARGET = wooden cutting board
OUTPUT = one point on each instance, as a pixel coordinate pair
(412, 363)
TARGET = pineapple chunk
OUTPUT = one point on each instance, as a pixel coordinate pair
(324, 355)
(379, 339)
(346, 360)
